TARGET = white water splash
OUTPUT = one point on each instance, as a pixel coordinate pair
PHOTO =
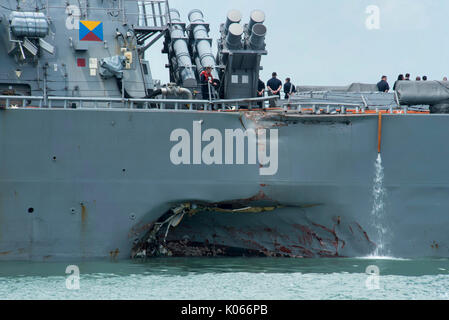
(378, 212)
(384, 258)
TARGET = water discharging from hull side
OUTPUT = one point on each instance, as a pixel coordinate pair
(378, 213)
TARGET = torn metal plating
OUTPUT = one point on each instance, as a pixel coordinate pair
(267, 120)
(154, 243)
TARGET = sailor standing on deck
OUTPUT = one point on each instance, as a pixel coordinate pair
(289, 88)
(383, 85)
(400, 78)
(261, 91)
(207, 82)
(274, 87)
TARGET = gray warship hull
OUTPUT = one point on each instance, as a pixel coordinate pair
(87, 184)
(86, 146)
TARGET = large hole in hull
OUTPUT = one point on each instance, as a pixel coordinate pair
(255, 227)
(157, 243)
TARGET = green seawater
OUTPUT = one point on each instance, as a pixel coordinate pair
(230, 279)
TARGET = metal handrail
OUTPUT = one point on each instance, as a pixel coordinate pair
(23, 99)
(128, 103)
(343, 106)
(159, 19)
(323, 103)
(12, 102)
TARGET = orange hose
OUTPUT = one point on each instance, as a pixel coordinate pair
(379, 134)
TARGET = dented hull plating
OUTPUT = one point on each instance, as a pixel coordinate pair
(86, 184)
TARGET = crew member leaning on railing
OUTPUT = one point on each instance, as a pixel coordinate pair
(207, 79)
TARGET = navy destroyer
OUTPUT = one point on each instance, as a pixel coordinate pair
(98, 159)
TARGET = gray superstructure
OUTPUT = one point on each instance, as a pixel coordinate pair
(240, 50)
(90, 165)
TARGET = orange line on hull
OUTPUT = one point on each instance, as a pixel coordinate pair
(379, 134)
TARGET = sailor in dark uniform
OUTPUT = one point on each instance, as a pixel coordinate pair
(274, 86)
(383, 85)
(261, 91)
(289, 88)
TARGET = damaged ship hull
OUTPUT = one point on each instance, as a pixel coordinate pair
(86, 184)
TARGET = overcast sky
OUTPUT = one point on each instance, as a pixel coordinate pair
(327, 42)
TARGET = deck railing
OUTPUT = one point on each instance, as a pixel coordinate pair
(319, 107)
(12, 102)
(287, 106)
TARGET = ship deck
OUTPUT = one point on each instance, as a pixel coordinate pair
(297, 106)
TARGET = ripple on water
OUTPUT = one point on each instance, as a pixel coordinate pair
(231, 279)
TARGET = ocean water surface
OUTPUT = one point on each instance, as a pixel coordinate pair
(230, 279)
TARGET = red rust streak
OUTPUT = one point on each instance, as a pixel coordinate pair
(305, 251)
(365, 234)
(254, 244)
(83, 217)
(285, 250)
(336, 239)
(324, 228)
(307, 234)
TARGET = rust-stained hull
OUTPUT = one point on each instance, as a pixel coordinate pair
(80, 184)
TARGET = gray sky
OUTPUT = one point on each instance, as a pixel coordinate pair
(326, 42)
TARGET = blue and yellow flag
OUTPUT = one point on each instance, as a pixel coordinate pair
(91, 31)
